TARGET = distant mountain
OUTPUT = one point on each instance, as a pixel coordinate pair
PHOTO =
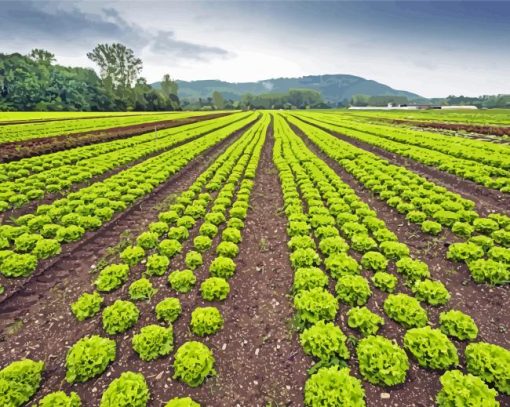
(334, 88)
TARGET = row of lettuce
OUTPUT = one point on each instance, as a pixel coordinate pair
(29, 131)
(484, 241)
(326, 220)
(31, 179)
(215, 205)
(485, 163)
(40, 235)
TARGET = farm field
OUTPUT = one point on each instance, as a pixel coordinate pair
(257, 258)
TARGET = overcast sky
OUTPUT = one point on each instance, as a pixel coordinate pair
(433, 48)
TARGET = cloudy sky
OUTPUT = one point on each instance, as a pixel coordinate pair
(433, 48)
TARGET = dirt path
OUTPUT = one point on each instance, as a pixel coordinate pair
(28, 148)
(478, 301)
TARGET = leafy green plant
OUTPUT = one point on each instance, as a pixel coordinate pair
(304, 258)
(206, 321)
(160, 228)
(463, 229)
(202, 243)
(431, 348)
(182, 402)
(324, 341)
(169, 247)
(309, 277)
(340, 264)
(132, 255)
(362, 243)
(330, 245)
(193, 363)
(182, 281)
(353, 290)
(431, 227)
(147, 240)
(60, 399)
(405, 310)
(18, 265)
(385, 281)
(412, 269)
(485, 226)
(46, 248)
(315, 305)
(432, 292)
(223, 267)
(374, 261)
(19, 381)
(491, 363)
(485, 242)
(394, 250)
(157, 265)
(365, 320)
(193, 260)
(26, 242)
(153, 341)
(464, 252)
(141, 289)
(416, 216)
(227, 249)
(168, 310)
(119, 317)
(179, 233)
(489, 271)
(208, 229)
(128, 390)
(334, 386)
(112, 277)
(381, 361)
(88, 358)
(87, 305)
(231, 235)
(464, 390)
(214, 289)
(458, 325)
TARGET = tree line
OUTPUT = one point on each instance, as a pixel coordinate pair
(36, 82)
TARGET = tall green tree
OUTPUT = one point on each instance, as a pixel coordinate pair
(218, 100)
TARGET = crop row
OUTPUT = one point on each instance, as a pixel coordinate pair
(487, 249)
(336, 221)
(28, 131)
(40, 235)
(209, 201)
(481, 162)
(32, 178)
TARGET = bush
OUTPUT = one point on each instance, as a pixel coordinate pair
(182, 402)
(182, 281)
(119, 317)
(464, 390)
(18, 265)
(324, 341)
(385, 281)
(46, 248)
(112, 277)
(227, 249)
(431, 348)
(381, 361)
(193, 362)
(153, 341)
(88, 358)
(60, 399)
(193, 260)
(341, 264)
(308, 278)
(223, 267)
(214, 289)
(491, 363)
(489, 271)
(412, 269)
(202, 243)
(353, 290)
(169, 247)
(132, 255)
(458, 325)
(333, 386)
(157, 265)
(19, 381)
(374, 261)
(141, 289)
(147, 240)
(431, 227)
(129, 390)
(405, 310)
(87, 305)
(315, 305)
(365, 320)
(432, 292)
(206, 321)
(168, 310)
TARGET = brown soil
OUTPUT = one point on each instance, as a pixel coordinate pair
(28, 148)
(478, 301)
(487, 200)
(61, 119)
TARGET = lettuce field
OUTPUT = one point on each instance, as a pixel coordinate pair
(257, 258)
